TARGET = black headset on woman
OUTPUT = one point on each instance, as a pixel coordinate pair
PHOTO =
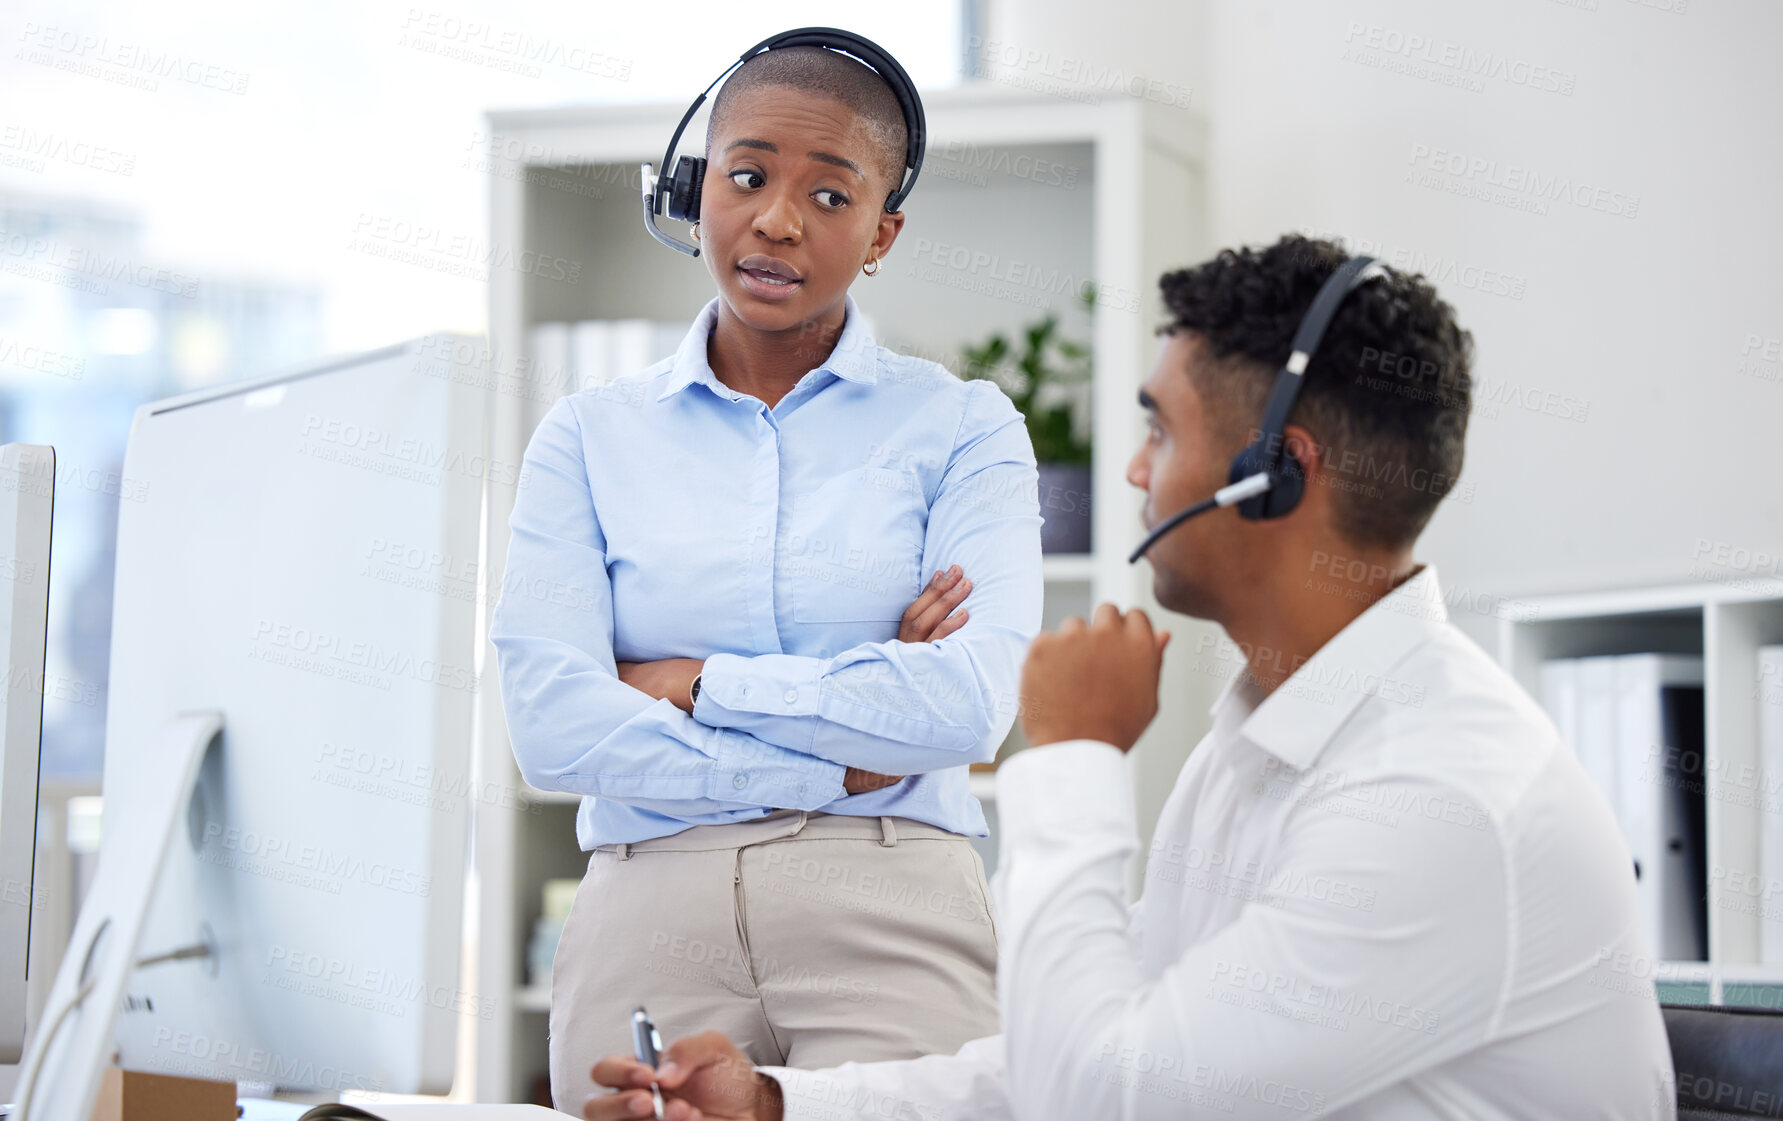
(679, 196)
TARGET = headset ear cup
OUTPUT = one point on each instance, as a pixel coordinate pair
(1290, 483)
(684, 188)
(1287, 484)
(1248, 463)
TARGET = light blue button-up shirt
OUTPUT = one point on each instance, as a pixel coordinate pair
(665, 515)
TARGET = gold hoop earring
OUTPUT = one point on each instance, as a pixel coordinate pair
(871, 267)
(695, 231)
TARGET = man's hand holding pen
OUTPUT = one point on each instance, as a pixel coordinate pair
(703, 1078)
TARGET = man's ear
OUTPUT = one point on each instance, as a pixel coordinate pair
(1299, 443)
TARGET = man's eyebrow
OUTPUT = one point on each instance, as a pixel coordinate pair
(762, 144)
(1148, 402)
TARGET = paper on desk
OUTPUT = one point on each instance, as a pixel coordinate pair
(433, 1111)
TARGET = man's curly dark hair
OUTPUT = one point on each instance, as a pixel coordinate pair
(1386, 397)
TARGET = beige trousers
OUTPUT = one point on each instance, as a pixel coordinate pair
(810, 939)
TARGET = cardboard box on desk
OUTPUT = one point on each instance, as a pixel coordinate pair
(134, 1095)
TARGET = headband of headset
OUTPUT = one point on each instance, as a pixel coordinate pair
(679, 195)
(1268, 455)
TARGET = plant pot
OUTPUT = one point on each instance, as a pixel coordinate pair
(1065, 507)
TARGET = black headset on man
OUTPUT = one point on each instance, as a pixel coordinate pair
(1265, 482)
(679, 195)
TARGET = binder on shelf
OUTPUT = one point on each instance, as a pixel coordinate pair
(632, 339)
(1560, 697)
(601, 350)
(569, 357)
(591, 354)
(1769, 697)
(1595, 728)
(548, 360)
(1659, 714)
(666, 339)
(1636, 722)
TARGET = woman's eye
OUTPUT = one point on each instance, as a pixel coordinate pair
(747, 179)
(838, 199)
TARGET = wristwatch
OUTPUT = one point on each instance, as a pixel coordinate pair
(693, 692)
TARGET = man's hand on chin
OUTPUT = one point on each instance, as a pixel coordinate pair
(1094, 682)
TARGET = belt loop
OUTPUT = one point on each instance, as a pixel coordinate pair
(625, 850)
(888, 833)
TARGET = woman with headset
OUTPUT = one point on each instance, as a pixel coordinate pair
(798, 575)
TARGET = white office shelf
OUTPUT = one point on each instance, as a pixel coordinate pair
(1023, 197)
(533, 998)
(1068, 568)
(1724, 624)
(550, 797)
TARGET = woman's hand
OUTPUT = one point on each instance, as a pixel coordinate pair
(927, 620)
(857, 781)
(670, 679)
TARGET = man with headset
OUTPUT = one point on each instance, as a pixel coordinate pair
(1382, 885)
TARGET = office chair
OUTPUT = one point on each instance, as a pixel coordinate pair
(1729, 1061)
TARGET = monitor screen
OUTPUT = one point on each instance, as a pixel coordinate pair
(27, 495)
(301, 564)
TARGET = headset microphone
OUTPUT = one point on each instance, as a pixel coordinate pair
(1248, 487)
(1265, 482)
(678, 195)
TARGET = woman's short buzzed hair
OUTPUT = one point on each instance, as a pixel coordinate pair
(825, 73)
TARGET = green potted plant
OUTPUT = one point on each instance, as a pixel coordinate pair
(1041, 377)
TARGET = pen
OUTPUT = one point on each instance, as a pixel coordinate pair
(648, 1046)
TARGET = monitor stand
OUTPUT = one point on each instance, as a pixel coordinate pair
(71, 1049)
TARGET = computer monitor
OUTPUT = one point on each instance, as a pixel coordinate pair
(297, 588)
(27, 499)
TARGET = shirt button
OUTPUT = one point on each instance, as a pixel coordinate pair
(740, 781)
(742, 691)
(792, 695)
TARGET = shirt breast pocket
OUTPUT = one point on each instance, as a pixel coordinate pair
(855, 549)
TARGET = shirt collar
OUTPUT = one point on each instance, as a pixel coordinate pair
(855, 357)
(1306, 711)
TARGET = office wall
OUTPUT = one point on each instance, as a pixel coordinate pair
(1594, 185)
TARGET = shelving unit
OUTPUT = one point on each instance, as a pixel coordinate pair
(1067, 567)
(1724, 624)
(1023, 197)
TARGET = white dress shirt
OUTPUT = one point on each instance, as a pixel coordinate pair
(1388, 890)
